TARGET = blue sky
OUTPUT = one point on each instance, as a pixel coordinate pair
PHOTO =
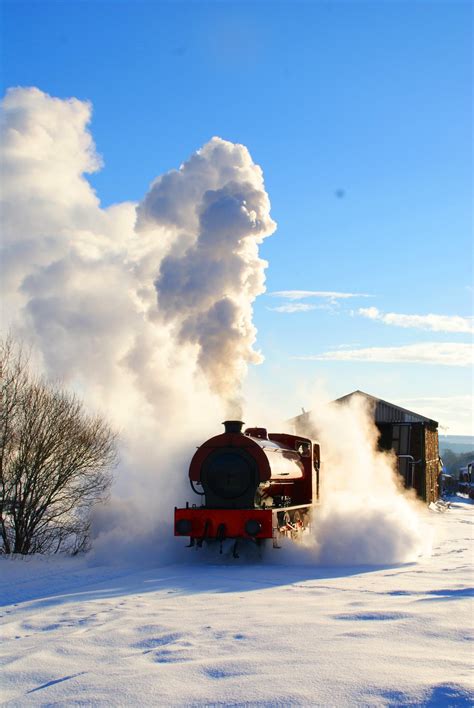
(359, 114)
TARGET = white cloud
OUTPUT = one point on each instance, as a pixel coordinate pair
(434, 323)
(327, 294)
(438, 353)
(330, 298)
(454, 413)
(291, 307)
(452, 401)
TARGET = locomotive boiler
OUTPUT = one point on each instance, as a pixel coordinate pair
(253, 485)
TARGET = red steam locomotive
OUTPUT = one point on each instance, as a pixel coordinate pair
(253, 485)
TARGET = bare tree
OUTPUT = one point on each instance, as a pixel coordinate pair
(55, 462)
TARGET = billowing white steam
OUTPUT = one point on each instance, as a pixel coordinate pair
(145, 309)
(217, 205)
(132, 315)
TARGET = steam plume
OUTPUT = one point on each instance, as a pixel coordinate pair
(111, 306)
(146, 309)
(217, 205)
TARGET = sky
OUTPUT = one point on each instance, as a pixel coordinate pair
(360, 116)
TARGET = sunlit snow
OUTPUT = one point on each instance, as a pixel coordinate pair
(213, 631)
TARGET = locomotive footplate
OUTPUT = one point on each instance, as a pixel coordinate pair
(218, 524)
(200, 524)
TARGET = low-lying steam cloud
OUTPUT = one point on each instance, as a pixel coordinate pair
(365, 516)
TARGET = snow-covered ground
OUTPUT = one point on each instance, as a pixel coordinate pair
(221, 632)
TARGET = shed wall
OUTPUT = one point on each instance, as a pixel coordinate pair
(432, 464)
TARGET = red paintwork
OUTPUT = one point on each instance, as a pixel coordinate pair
(287, 440)
(257, 433)
(305, 490)
(234, 520)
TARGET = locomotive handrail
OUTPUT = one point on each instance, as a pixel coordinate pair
(201, 494)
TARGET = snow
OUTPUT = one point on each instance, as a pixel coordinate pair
(208, 630)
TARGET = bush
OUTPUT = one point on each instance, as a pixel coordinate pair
(55, 462)
(454, 461)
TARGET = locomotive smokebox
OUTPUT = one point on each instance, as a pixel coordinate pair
(233, 426)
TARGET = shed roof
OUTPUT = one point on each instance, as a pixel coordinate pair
(384, 412)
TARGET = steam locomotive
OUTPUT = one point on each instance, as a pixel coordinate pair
(253, 485)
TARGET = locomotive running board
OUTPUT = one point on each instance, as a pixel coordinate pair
(201, 524)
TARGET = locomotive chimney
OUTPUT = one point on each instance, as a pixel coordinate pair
(233, 426)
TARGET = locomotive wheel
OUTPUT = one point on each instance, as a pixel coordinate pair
(292, 524)
(285, 524)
